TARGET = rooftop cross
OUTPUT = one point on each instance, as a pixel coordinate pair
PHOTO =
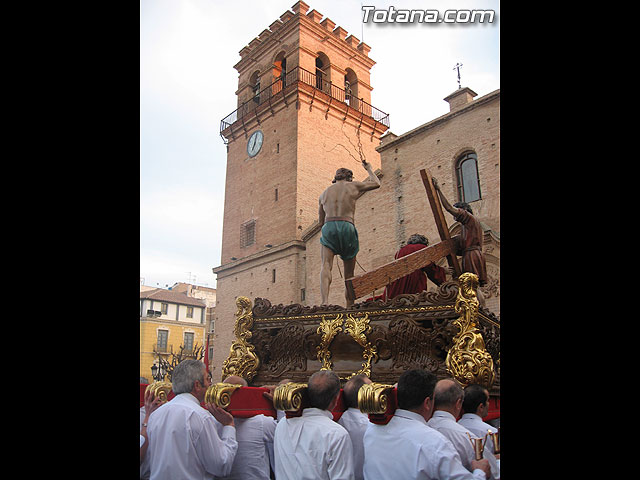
(457, 67)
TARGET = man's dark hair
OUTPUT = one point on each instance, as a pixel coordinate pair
(464, 206)
(343, 174)
(351, 389)
(413, 387)
(474, 396)
(417, 238)
(323, 386)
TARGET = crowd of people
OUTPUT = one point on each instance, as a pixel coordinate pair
(181, 440)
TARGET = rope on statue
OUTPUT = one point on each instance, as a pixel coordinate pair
(340, 271)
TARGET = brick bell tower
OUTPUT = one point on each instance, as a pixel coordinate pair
(304, 110)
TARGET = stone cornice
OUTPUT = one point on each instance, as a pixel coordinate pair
(258, 258)
(444, 118)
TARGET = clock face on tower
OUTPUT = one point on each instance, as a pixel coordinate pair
(255, 143)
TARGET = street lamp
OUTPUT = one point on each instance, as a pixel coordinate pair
(157, 372)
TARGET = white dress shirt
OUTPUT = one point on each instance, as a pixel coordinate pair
(255, 448)
(184, 442)
(446, 424)
(407, 449)
(142, 415)
(474, 424)
(356, 422)
(312, 447)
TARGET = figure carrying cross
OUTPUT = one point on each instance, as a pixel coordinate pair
(469, 243)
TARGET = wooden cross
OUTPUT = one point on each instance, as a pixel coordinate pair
(368, 282)
(457, 67)
(438, 215)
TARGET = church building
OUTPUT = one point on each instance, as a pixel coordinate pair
(304, 110)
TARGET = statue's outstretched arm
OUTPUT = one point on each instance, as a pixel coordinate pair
(447, 206)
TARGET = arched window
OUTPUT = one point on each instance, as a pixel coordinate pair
(322, 71)
(351, 88)
(468, 179)
(280, 69)
(254, 82)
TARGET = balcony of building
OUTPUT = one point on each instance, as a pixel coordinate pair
(316, 85)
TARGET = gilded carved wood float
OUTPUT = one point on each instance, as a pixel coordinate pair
(444, 331)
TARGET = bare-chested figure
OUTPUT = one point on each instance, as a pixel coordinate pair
(339, 234)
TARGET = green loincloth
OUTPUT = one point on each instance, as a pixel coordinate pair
(341, 238)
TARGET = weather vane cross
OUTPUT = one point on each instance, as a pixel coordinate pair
(457, 67)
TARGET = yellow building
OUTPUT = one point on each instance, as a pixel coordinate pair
(169, 320)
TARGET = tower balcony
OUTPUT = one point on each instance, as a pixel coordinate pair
(299, 78)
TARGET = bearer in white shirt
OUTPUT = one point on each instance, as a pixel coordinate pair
(183, 438)
(354, 421)
(447, 402)
(406, 448)
(313, 446)
(255, 444)
(476, 407)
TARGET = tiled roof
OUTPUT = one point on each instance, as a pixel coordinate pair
(162, 295)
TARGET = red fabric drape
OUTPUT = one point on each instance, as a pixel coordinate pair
(415, 282)
(206, 356)
(249, 401)
(494, 409)
(143, 387)
(337, 411)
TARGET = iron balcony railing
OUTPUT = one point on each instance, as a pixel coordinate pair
(162, 349)
(318, 82)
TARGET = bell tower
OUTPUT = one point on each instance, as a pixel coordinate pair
(303, 111)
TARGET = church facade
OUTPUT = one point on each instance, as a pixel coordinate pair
(304, 110)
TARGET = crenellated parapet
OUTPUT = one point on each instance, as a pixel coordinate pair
(299, 15)
(303, 46)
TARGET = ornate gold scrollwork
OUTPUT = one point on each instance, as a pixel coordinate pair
(159, 389)
(242, 360)
(467, 360)
(288, 397)
(373, 397)
(220, 394)
(328, 329)
(358, 328)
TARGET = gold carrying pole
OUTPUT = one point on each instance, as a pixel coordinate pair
(159, 389)
(288, 397)
(220, 394)
(373, 397)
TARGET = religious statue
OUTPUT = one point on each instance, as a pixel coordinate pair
(469, 245)
(335, 215)
(416, 281)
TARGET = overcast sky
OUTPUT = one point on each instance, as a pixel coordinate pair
(187, 85)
